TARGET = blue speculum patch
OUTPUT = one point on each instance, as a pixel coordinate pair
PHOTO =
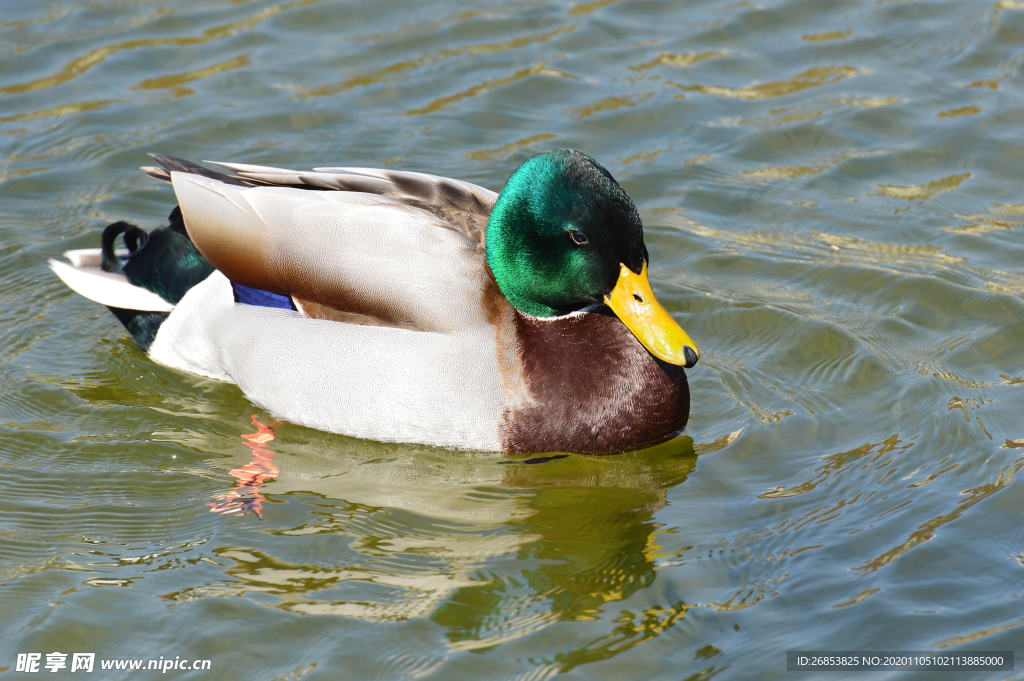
(254, 296)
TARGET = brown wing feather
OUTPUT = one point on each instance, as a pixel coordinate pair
(284, 257)
(320, 311)
(459, 205)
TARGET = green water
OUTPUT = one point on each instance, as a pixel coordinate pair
(833, 194)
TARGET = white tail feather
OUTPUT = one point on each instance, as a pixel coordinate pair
(105, 288)
(90, 257)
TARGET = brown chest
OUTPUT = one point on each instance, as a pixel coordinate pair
(585, 384)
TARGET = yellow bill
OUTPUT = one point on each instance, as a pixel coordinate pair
(633, 301)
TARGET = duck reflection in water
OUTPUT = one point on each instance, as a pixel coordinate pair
(246, 497)
(490, 548)
(589, 539)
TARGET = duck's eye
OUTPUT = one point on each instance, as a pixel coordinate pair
(579, 238)
(638, 298)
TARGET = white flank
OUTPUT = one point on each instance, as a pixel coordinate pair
(371, 382)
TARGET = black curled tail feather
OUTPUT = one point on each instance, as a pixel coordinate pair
(167, 262)
(134, 238)
(164, 261)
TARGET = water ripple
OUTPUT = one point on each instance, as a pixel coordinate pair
(832, 208)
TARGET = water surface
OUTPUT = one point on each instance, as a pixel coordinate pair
(833, 199)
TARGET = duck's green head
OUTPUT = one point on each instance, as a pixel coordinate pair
(563, 235)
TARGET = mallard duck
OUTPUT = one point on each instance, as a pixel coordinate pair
(404, 307)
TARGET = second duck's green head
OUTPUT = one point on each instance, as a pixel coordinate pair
(563, 235)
